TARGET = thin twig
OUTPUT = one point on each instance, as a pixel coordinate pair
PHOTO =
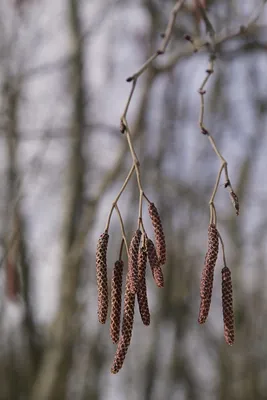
(203, 129)
(122, 229)
(119, 195)
(166, 39)
(223, 249)
(121, 249)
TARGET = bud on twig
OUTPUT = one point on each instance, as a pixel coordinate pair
(101, 276)
(235, 201)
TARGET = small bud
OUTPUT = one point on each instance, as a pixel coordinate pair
(122, 127)
(204, 131)
(188, 38)
(235, 201)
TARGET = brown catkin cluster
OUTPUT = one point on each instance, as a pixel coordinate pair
(135, 286)
(227, 306)
(159, 234)
(116, 291)
(154, 264)
(133, 261)
(101, 276)
(127, 328)
(142, 291)
(206, 284)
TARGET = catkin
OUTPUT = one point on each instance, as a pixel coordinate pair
(159, 234)
(116, 291)
(235, 202)
(127, 328)
(101, 277)
(227, 306)
(154, 264)
(133, 261)
(142, 290)
(206, 284)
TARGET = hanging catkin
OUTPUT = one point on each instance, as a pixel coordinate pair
(133, 261)
(101, 277)
(142, 291)
(154, 264)
(227, 306)
(127, 328)
(159, 234)
(206, 284)
(116, 291)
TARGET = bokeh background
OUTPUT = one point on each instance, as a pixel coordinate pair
(63, 70)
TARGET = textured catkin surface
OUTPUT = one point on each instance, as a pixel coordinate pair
(142, 290)
(159, 234)
(126, 330)
(206, 284)
(227, 306)
(116, 292)
(154, 264)
(133, 261)
(101, 277)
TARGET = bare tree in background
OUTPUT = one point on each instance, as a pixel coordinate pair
(63, 70)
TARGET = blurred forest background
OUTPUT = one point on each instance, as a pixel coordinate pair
(63, 70)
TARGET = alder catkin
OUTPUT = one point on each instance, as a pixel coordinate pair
(116, 291)
(101, 277)
(159, 234)
(154, 264)
(227, 306)
(206, 284)
(235, 202)
(142, 290)
(126, 330)
(133, 261)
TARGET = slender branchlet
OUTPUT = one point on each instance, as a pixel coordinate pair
(206, 285)
(136, 279)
